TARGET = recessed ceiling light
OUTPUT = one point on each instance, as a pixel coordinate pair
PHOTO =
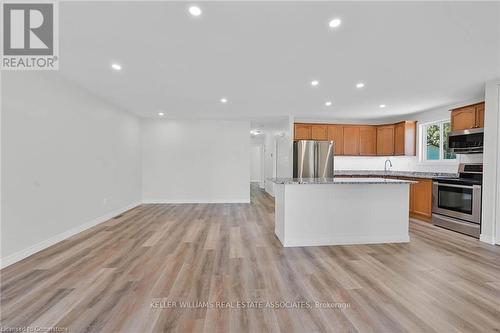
(360, 85)
(255, 132)
(314, 83)
(328, 103)
(161, 114)
(382, 106)
(223, 100)
(335, 23)
(116, 67)
(195, 10)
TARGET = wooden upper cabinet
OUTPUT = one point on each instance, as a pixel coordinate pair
(463, 118)
(399, 139)
(319, 132)
(405, 134)
(385, 140)
(368, 140)
(336, 134)
(351, 140)
(467, 117)
(364, 140)
(302, 132)
(480, 115)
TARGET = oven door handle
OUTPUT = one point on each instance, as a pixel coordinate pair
(453, 185)
(468, 150)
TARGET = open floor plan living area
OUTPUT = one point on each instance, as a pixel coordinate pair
(250, 166)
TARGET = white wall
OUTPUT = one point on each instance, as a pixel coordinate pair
(69, 160)
(490, 228)
(195, 161)
(259, 141)
(284, 150)
(278, 154)
(256, 163)
(269, 161)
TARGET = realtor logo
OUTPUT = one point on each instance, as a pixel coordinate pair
(29, 36)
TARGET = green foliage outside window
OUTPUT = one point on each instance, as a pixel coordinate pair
(448, 154)
(433, 142)
(435, 149)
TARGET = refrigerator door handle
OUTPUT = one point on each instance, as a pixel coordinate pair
(316, 160)
(313, 159)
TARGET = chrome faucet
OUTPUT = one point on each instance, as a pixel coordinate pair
(385, 165)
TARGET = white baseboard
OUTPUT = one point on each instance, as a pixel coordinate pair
(271, 193)
(15, 257)
(193, 201)
(347, 240)
(487, 239)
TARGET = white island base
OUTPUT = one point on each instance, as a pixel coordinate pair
(342, 212)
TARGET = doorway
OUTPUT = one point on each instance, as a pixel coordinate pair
(256, 165)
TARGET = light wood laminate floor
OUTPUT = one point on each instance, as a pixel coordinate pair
(108, 278)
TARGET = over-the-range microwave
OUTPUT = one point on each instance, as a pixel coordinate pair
(468, 141)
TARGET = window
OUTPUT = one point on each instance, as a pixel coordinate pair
(435, 142)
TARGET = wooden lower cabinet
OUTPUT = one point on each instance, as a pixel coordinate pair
(421, 202)
(412, 199)
(420, 198)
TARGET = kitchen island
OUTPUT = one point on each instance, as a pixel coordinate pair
(334, 211)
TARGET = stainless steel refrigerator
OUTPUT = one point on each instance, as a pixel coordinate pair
(313, 159)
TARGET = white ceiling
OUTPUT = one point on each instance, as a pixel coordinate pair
(263, 55)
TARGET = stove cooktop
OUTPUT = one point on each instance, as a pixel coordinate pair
(459, 181)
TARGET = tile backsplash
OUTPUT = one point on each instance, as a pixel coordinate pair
(401, 163)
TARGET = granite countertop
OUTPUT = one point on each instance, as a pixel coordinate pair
(382, 173)
(339, 181)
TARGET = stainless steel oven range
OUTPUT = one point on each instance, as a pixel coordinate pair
(456, 202)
